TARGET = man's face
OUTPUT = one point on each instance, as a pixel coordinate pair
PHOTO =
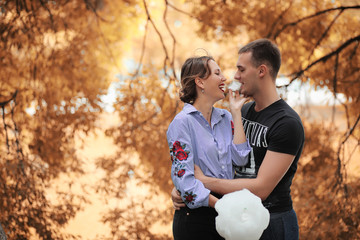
(246, 74)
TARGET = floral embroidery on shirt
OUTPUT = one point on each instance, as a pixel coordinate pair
(181, 155)
(189, 197)
(176, 146)
(232, 127)
(177, 152)
(179, 170)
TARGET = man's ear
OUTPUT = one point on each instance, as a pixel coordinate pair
(263, 70)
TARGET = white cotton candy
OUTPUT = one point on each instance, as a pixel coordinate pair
(241, 216)
(234, 86)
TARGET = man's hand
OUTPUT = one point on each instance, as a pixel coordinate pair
(176, 199)
(199, 174)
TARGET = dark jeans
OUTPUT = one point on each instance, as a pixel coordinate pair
(282, 226)
(199, 223)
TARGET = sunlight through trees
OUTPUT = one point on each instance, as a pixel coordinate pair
(58, 59)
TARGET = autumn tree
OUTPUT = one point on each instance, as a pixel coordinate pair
(57, 58)
(53, 59)
(144, 105)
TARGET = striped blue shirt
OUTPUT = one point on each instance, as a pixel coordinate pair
(192, 141)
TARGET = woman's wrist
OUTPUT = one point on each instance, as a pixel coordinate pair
(236, 116)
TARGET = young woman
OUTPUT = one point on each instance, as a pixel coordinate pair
(206, 136)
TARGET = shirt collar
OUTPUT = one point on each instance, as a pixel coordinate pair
(188, 108)
(217, 113)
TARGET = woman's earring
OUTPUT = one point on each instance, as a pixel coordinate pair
(202, 90)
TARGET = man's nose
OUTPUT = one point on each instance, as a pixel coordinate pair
(237, 76)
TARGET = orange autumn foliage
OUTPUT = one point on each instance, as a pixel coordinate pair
(57, 58)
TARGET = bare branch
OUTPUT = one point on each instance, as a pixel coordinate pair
(322, 59)
(17, 141)
(190, 15)
(281, 15)
(354, 51)
(325, 33)
(341, 8)
(50, 14)
(91, 6)
(335, 85)
(340, 149)
(5, 128)
(159, 34)
(173, 38)
(142, 49)
(335, 74)
(2, 104)
(182, 11)
(350, 130)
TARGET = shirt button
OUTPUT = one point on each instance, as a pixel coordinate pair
(222, 167)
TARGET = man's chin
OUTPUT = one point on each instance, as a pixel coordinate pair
(243, 94)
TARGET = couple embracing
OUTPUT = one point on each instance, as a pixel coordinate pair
(214, 152)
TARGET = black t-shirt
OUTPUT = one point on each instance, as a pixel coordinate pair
(276, 128)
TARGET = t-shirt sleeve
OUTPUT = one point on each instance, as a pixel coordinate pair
(287, 136)
(192, 191)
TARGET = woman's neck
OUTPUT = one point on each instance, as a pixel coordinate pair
(205, 108)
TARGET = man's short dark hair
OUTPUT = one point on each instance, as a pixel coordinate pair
(265, 52)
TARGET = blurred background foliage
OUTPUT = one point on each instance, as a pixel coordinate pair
(60, 58)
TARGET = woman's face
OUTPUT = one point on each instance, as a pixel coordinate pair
(214, 85)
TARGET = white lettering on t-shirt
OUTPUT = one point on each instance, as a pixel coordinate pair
(255, 133)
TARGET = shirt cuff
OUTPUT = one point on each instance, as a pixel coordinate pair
(204, 202)
(243, 146)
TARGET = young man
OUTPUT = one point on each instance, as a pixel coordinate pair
(276, 135)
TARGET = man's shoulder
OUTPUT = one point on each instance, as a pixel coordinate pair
(289, 119)
(289, 113)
